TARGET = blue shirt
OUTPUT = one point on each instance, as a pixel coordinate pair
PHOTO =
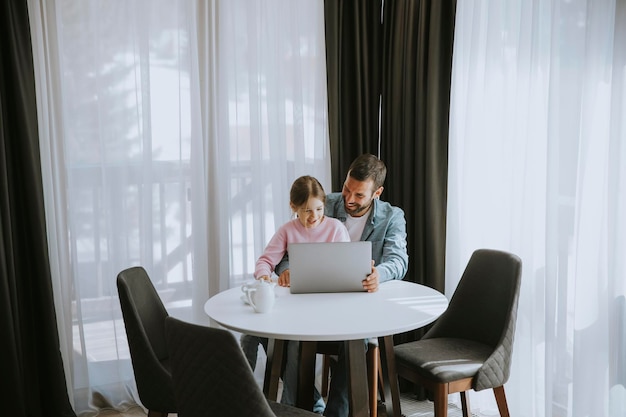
(385, 228)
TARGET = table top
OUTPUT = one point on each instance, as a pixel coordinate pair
(397, 306)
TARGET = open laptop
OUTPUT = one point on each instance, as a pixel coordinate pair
(329, 267)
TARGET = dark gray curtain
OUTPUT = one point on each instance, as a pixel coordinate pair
(30, 359)
(406, 60)
(353, 58)
(417, 67)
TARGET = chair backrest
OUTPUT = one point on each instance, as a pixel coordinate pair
(144, 318)
(211, 375)
(483, 308)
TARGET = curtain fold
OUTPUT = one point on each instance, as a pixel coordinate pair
(414, 126)
(30, 357)
(353, 66)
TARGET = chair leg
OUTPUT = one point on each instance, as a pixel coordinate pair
(381, 381)
(501, 401)
(373, 372)
(325, 374)
(465, 407)
(440, 400)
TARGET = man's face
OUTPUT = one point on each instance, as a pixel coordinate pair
(358, 195)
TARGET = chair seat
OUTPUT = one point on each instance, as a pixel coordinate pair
(443, 359)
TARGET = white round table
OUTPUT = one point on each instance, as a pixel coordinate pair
(398, 306)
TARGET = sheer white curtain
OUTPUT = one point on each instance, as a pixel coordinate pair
(538, 167)
(271, 119)
(170, 132)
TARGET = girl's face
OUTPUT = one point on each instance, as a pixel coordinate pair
(311, 213)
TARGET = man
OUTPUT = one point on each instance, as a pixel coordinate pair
(366, 218)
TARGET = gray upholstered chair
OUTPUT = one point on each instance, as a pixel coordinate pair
(212, 376)
(144, 318)
(470, 345)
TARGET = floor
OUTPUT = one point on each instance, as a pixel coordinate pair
(410, 408)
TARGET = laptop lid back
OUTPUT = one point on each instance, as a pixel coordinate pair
(329, 267)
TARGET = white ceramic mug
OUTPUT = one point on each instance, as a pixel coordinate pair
(260, 295)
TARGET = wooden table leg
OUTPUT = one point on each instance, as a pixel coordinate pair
(306, 375)
(390, 378)
(273, 366)
(358, 397)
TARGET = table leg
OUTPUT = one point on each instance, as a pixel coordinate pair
(273, 366)
(306, 375)
(390, 378)
(358, 396)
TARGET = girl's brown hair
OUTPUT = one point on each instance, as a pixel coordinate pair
(304, 188)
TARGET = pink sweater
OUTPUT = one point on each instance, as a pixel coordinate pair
(329, 230)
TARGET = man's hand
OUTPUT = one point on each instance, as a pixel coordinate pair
(370, 284)
(284, 279)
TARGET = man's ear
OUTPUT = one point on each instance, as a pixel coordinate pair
(378, 192)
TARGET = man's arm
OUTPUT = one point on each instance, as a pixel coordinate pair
(283, 265)
(394, 258)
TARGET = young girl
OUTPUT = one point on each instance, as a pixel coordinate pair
(306, 199)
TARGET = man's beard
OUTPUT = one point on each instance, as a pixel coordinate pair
(358, 210)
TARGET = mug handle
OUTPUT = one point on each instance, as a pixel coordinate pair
(249, 296)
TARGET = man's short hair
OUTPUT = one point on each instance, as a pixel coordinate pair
(368, 166)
